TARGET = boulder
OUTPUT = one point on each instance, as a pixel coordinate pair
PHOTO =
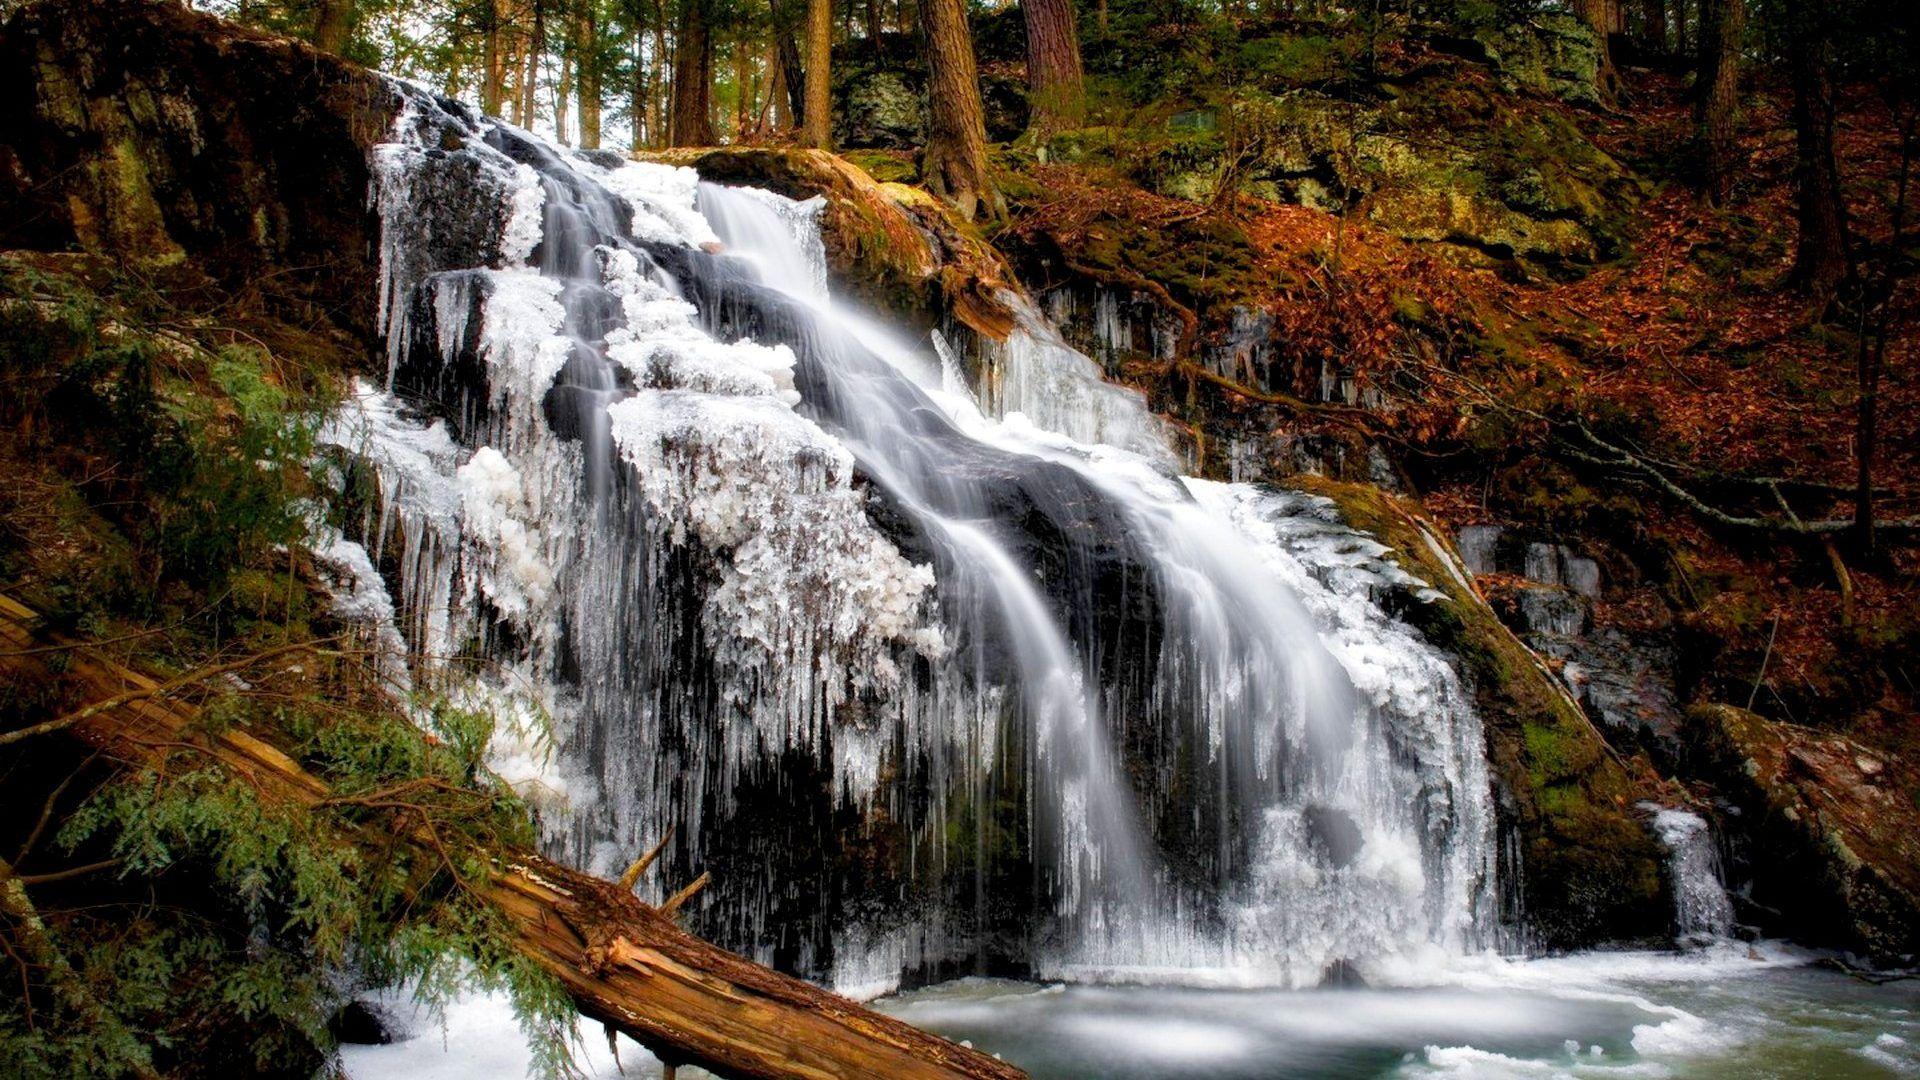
(1828, 829)
(879, 110)
(172, 140)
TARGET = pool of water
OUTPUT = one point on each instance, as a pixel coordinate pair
(1730, 1011)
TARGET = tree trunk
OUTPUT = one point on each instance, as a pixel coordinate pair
(1680, 44)
(779, 103)
(1821, 260)
(816, 116)
(742, 88)
(657, 83)
(955, 162)
(563, 92)
(586, 76)
(530, 82)
(493, 79)
(332, 25)
(1653, 28)
(796, 72)
(1053, 68)
(692, 78)
(624, 963)
(1600, 17)
(1716, 108)
(638, 97)
(1877, 318)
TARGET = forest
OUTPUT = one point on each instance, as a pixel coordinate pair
(958, 538)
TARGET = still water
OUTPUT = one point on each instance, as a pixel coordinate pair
(1730, 1011)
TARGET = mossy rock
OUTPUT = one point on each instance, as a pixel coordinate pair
(1591, 870)
(879, 110)
(890, 245)
(1830, 830)
(1487, 176)
(880, 95)
(188, 155)
(1551, 53)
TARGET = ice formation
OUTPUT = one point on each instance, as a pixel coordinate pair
(1701, 909)
(925, 671)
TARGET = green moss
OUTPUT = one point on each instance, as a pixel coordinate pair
(130, 222)
(886, 166)
(1556, 751)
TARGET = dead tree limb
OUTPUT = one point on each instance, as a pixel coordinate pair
(1610, 455)
(624, 963)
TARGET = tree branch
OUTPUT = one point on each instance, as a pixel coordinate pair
(161, 690)
(1618, 457)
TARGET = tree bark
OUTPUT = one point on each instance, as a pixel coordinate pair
(638, 97)
(692, 123)
(1716, 108)
(1600, 17)
(332, 25)
(657, 89)
(796, 73)
(742, 87)
(624, 963)
(954, 165)
(779, 101)
(816, 115)
(563, 90)
(530, 81)
(1054, 80)
(1877, 319)
(1821, 260)
(494, 77)
(586, 76)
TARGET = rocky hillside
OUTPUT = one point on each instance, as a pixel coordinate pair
(1435, 282)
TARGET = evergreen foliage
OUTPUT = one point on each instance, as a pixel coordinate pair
(168, 918)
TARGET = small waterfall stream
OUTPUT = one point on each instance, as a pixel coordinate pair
(932, 677)
(1702, 912)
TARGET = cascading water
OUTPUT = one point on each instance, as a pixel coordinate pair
(925, 684)
(1702, 911)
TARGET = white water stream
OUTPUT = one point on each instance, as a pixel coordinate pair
(936, 677)
(1112, 722)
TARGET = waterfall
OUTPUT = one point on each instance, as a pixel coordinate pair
(932, 677)
(1701, 909)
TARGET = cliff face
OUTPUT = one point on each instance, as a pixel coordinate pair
(179, 144)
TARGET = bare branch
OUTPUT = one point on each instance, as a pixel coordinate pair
(161, 690)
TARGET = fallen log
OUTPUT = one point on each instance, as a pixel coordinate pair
(624, 962)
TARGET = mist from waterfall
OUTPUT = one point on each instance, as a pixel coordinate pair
(932, 674)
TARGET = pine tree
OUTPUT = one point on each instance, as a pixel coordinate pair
(692, 119)
(955, 161)
(816, 116)
(587, 73)
(1821, 259)
(332, 25)
(1715, 108)
(1054, 81)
